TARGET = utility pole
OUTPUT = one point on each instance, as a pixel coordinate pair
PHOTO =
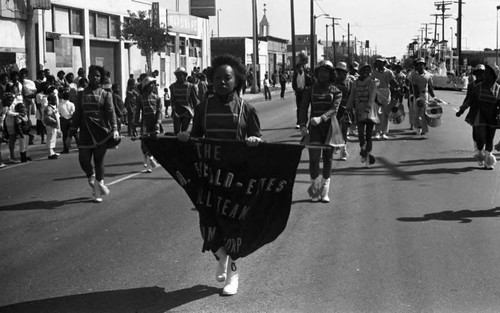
(459, 37)
(294, 58)
(255, 47)
(443, 7)
(326, 43)
(348, 43)
(333, 40)
(312, 40)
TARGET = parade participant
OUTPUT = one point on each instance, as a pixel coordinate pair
(148, 116)
(398, 91)
(131, 107)
(485, 100)
(267, 84)
(215, 118)
(52, 124)
(421, 82)
(184, 98)
(119, 106)
(362, 100)
(283, 79)
(66, 111)
(343, 83)
(300, 81)
(95, 118)
(478, 77)
(7, 117)
(324, 99)
(387, 81)
(354, 69)
(202, 87)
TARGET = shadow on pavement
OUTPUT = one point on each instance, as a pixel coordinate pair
(463, 216)
(143, 300)
(44, 205)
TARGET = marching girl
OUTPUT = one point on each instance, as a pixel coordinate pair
(95, 117)
(324, 99)
(215, 118)
(484, 101)
(362, 99)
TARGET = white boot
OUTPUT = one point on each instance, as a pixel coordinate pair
(103, 188)
(231, 287)
(91, 181)
(147, 164)
(153, 162)
(325, 188)
(222, 258)
(489, 160)
(314, 189)
(479, 156)
(97, 193)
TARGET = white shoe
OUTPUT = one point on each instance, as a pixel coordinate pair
(479, 156)
(231, 287)
(489, 160)
(325, 188)
(91, 181)
(344, 154)
(384, 136)
(103, 188)
(153, 162)
(97, 193)
(377, 136)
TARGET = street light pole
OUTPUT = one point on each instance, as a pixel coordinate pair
(333, 37)
(218, 29)
(498, 8)
(313, 37)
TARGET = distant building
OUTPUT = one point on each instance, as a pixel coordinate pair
(303, 43)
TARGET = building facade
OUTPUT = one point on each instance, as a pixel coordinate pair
(67, 34)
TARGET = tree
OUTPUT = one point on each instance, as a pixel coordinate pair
(149, 38)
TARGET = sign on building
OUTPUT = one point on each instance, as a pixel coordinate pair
(203, 8)
(42, 4)
(155, 14)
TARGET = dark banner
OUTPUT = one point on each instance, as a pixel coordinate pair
(203, 8)
(243, 194)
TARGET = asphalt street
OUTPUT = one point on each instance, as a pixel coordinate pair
(417, 232)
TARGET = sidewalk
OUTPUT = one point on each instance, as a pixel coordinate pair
(275, 93)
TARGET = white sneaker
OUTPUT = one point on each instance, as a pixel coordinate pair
(103, 188)
(153, 162)
(97, 193)
(384, 136)
(377, 136)
(231, 287)
(91, 182)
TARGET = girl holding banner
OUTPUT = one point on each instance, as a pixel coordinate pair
(225, 115)
(324, 99)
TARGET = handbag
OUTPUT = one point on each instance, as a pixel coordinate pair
(334, 137)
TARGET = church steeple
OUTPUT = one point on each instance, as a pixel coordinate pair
(264, 24)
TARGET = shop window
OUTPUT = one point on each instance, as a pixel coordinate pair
(61, 20)
(92, 24)
(102, 26)
(76, 22)
(49, 45)
(114, 27)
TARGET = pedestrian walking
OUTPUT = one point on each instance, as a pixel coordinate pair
(283, 79)
(131, 107)
(387, 81)
(300, 82)
(184, 98)
(421, 82)
(148, 116)
(343, 82)
(485, 102)
(362, 100)
(96, 119)
(267, 84)
(324, 99)
(215, 119)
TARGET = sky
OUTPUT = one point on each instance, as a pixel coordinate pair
(389, 25)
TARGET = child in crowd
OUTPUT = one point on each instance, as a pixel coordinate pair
(22, 127)
(66, 110)
(52, 124)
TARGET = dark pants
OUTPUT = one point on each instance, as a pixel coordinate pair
(267, 92)
(485, 135)
(298, 100)
(85, 157)
(65, 125)
(283, 86)
(181, 123)
(365, 130)
(314, 158)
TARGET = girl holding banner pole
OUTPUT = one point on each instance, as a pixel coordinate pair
(225, 115)
(324, 99)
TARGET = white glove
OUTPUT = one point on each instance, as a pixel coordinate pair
(183, 136)
(253, 141)
(116, 135)
(315, 121)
